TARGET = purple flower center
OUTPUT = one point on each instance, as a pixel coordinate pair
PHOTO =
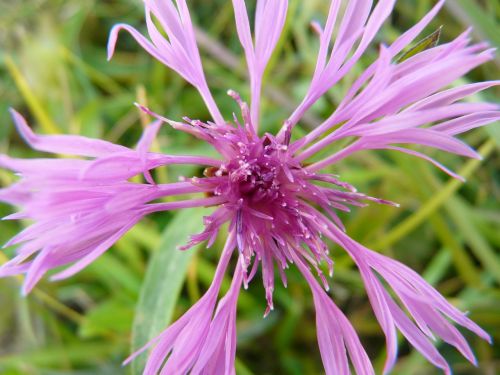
(259, 175)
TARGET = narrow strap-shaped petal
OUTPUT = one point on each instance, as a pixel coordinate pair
(14, 196)
(326, 36)
(174, 124)
(354, 18)
(396, 47)
(98, 251)
(466, 123)
(174, 50)
(14, 267)
(415, 336)
(381, 79)
(144, 145)
(395, 270)
(331, 344)
(359, 358)
(219, 349)
(202, 202)
(426, 137)
(64, 144)
(36, 270)
(424, 81)
(143, 42)
(416, 85)
(401, 42)
(129, 164)
(335, 333)
(383, 313)
(357, 22)
(451, 95)
(424, 314)
(423, 302)
(63, 168)
(269, 22)
(128, 199)
(244, 31)
(179, 52)
(408, 120)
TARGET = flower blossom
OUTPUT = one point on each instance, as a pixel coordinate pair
(280, 207)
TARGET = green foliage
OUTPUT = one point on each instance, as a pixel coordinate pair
(429, 41)
(53, 69)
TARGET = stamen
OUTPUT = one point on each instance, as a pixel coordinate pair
(245, 111)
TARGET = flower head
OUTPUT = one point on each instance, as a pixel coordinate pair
(280, 208)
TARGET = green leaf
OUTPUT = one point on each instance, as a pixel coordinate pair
(163, 281)
(429, 41)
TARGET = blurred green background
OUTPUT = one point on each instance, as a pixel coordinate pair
(53, 69)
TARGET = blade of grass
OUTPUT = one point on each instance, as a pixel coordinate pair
(33, 103)
(470, 13)
(458, 211)
(52, 303)
(462, 261)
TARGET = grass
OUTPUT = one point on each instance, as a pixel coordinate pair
(53, 69)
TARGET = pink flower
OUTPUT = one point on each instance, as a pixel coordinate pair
(279, 208)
